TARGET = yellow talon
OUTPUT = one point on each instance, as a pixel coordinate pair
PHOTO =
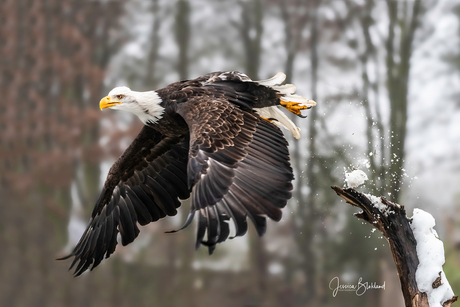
(267, 119)
(293, 107)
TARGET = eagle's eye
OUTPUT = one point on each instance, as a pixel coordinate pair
(120, 96)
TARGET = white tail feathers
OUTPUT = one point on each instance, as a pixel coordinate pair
(276, 79)
(287, 95)
(285, 89)
(280, 119)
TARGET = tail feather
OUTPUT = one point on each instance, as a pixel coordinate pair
(286, 89)
(276, 79)
(280, 119)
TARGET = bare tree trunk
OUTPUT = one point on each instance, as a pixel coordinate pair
(182, 34)
(398, 84)
(295, 148)
(181, 248)
(304, 234)
(309, 266)
(251, 30)
(293, 28)
(366, 20)
(150, 79)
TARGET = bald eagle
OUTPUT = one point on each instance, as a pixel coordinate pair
(214, 139)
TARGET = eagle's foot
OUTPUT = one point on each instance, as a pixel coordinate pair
(271, 120)
(294, 107)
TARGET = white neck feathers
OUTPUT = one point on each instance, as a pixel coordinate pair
(150, 110)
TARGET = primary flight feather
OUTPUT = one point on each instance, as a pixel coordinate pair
(214, 139)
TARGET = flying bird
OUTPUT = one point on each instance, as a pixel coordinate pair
(214, 139)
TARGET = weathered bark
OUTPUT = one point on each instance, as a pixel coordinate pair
(396, 229)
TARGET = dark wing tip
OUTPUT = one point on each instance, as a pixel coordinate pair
(65, 257)
(211, 246)
(187, 222)
(72, 264)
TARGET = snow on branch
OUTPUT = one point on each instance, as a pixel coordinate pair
(417, 251)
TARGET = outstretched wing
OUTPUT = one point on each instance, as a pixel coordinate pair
(142, 186)
(238, 167)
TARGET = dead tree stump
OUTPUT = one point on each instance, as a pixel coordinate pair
(396, 229)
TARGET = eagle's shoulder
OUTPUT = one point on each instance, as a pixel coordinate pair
(224, 76)
(186, 88)
(210, 78)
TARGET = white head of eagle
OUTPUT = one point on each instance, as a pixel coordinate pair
(146, 105)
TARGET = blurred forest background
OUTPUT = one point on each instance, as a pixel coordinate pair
(385, 74)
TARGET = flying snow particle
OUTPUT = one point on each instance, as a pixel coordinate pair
(365, 162)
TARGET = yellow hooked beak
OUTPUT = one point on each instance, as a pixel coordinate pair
(107, 102)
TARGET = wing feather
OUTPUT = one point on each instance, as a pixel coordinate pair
(143, 215)
(238, 168)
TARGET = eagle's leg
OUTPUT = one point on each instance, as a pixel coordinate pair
(271, 120)
(294, 107)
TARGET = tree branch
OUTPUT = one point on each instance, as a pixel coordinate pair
(393, 223)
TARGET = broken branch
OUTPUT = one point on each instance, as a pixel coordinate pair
(391, 220)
